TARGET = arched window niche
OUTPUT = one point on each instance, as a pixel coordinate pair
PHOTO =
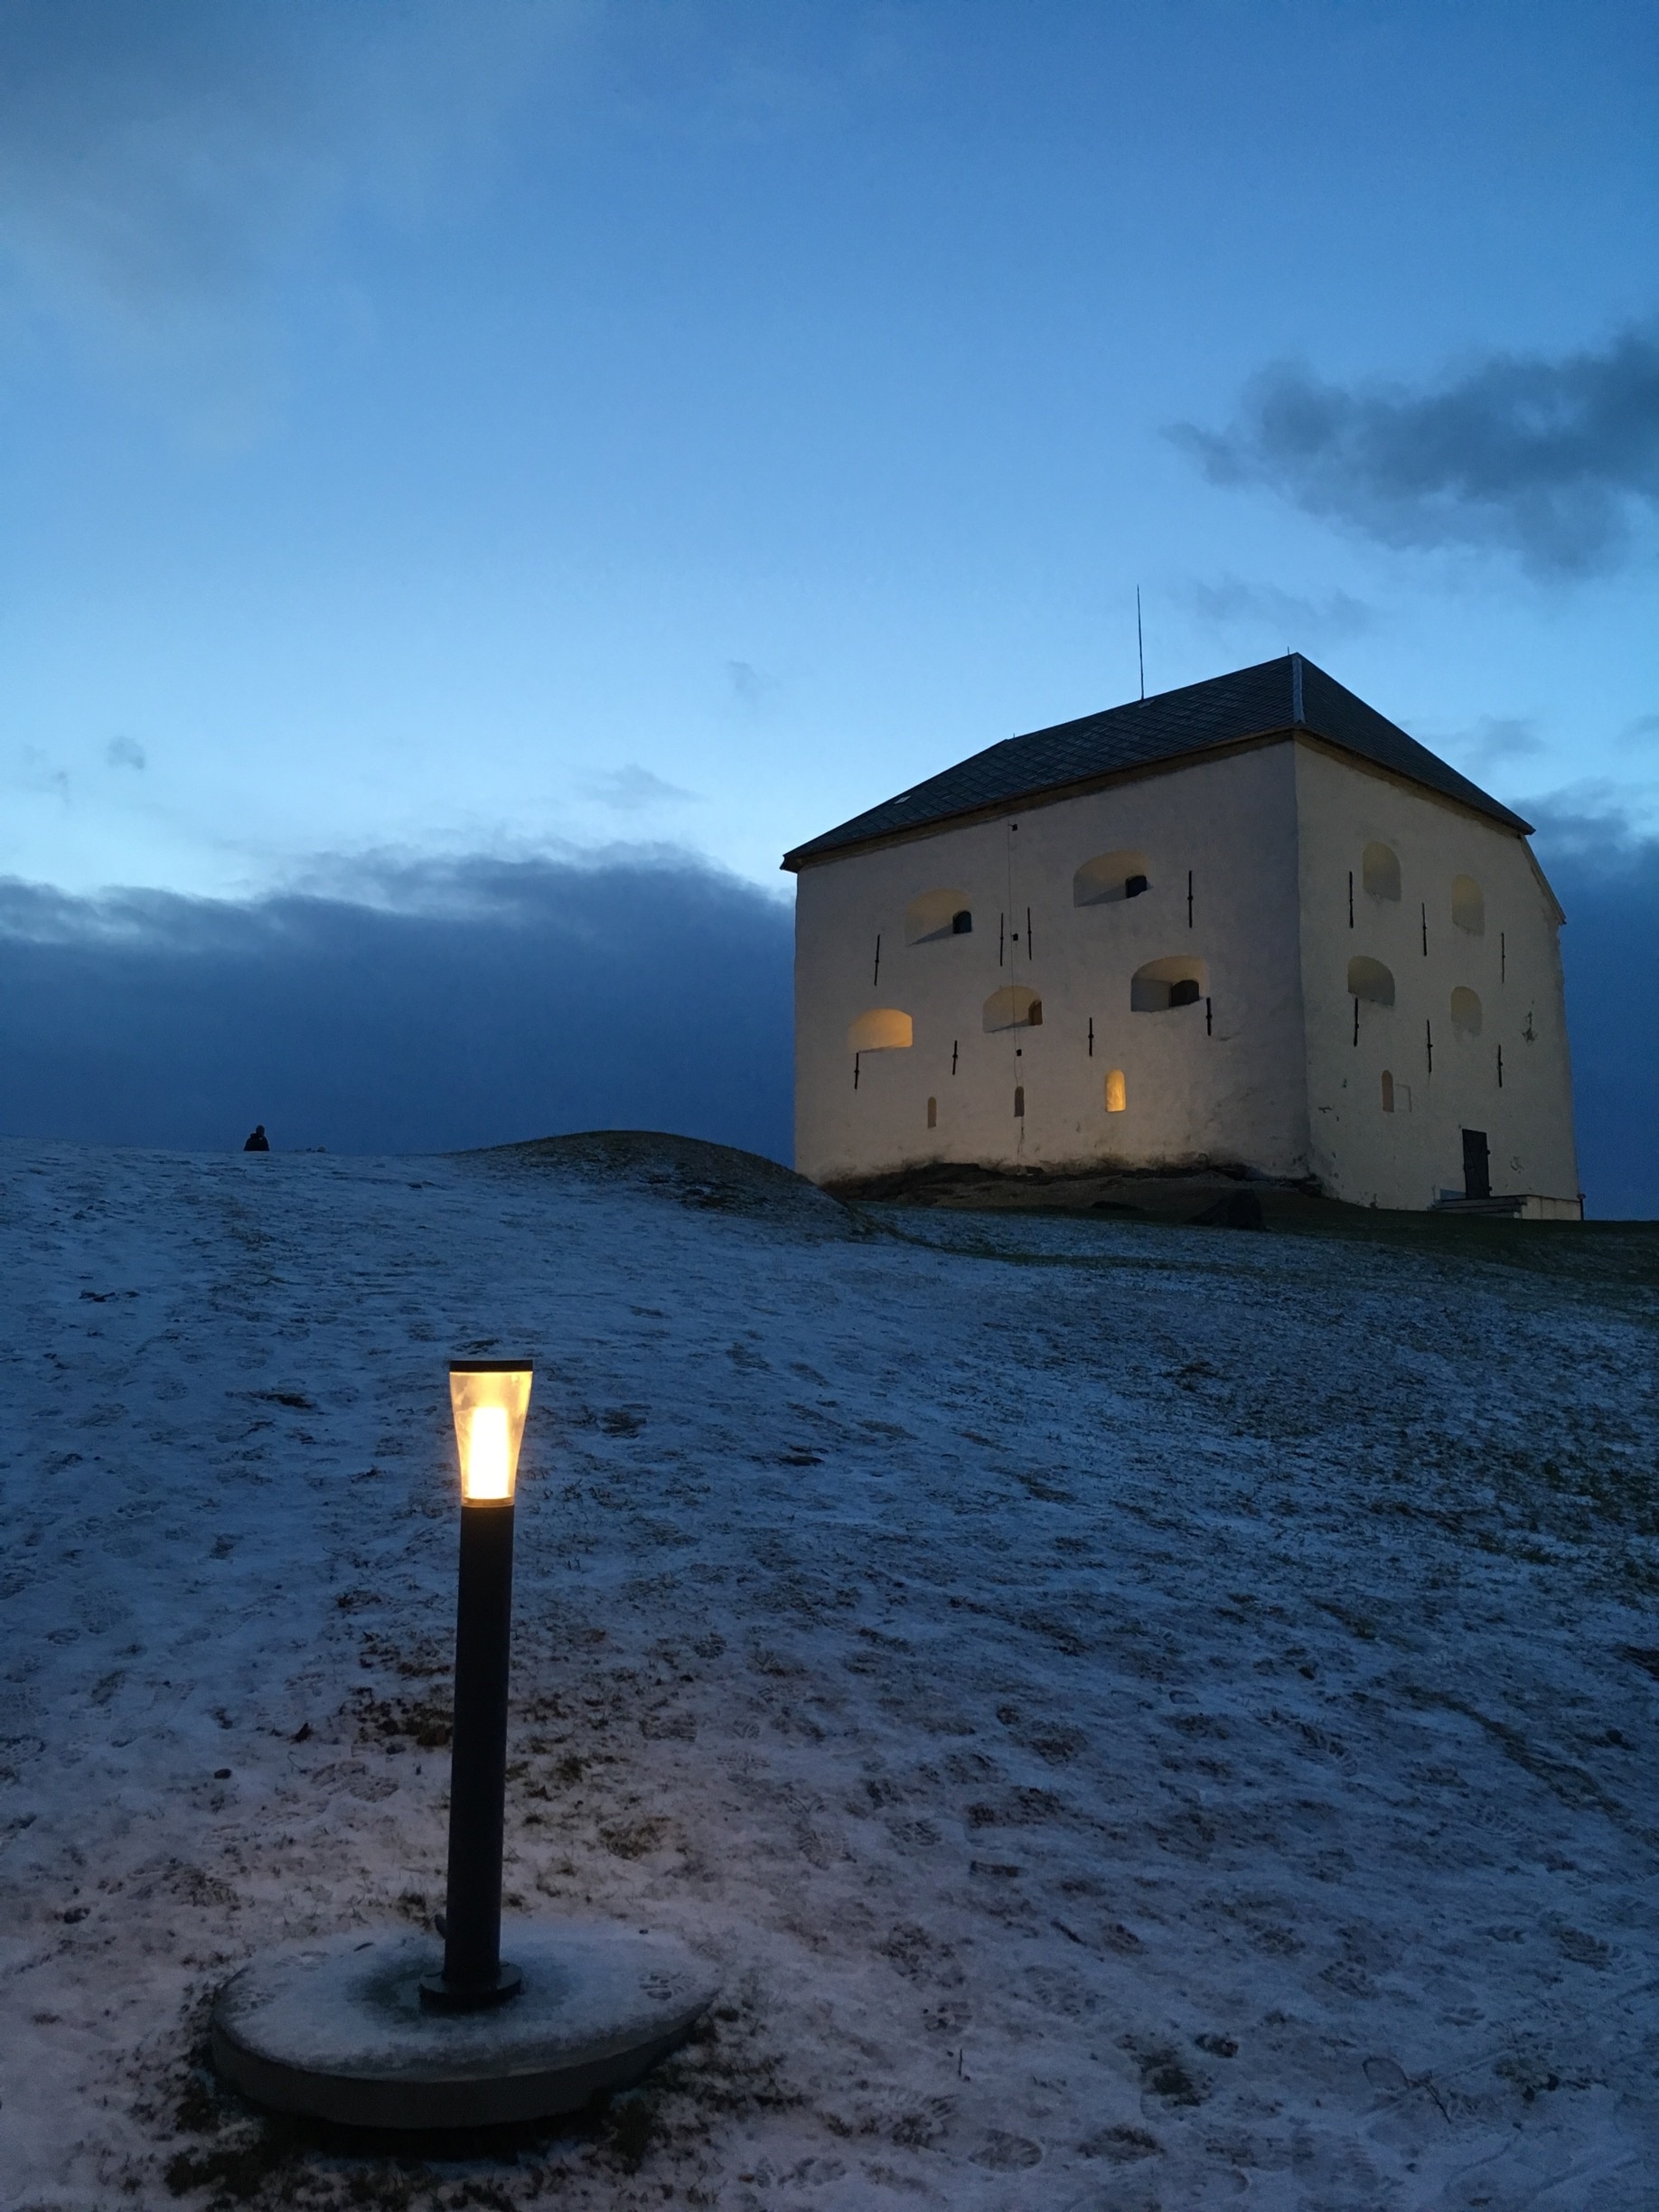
(882, 1029)
(1013, 1008)
(1369, 979)
(1466, 1011)
(1380, 871)
(1468, 905)
(933, 915)
(1110, 878)
(1388, 1091)
(1117, 1091)
(1162, 984)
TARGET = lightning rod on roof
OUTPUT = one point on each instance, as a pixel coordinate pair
(1140, 646)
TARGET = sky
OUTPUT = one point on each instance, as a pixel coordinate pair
(549, 433)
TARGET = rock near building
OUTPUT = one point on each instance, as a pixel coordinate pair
(1248, 925)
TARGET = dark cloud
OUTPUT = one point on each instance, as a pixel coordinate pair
(437, 1006)
(1551, 460)
(1587, 825)
(1606, 874)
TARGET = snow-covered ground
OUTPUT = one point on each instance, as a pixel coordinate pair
(1139, 1716)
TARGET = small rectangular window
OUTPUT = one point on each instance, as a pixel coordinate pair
(1019, 1101)
(1117, 1091)
(1388, 1091)
(933, 1113)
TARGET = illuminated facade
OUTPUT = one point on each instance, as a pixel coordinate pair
(1248, 925)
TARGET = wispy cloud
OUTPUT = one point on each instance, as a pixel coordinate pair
(1293, 619)
(749, 684)
(634, 790)
(1552, 460)
(36, 770)
(126, 752)
(1493, 740)
(162, 164)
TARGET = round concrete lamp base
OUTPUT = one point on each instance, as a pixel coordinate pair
(336, 2030)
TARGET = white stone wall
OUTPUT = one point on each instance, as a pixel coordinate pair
(1407, 1158)
(1225, 1080)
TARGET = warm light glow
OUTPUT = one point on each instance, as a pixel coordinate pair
(882, 1029)
(489, 1400)
(485, 1455)
(1117, 1091)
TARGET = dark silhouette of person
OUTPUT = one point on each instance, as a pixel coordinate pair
(258, 1141)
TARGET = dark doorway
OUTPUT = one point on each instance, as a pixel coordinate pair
(1476, 1171)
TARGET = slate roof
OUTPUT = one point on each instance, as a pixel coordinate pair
(1273, 700)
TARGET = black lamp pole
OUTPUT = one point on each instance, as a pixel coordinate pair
(473, 1974)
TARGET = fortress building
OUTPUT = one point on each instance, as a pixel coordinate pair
(1248, 925)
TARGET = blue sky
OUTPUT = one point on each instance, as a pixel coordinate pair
(513, 467)
(506, 428)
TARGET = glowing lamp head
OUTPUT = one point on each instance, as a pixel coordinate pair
(489, 1399)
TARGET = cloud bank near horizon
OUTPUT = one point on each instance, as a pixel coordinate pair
(1607, 878)
(436, 1006)
(429, 1008)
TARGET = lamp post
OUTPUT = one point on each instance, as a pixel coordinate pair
(489, 1399)
(370, 2030)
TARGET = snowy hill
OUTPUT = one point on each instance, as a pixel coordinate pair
(1140, 1715)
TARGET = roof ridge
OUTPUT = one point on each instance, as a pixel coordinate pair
(1246, 705)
